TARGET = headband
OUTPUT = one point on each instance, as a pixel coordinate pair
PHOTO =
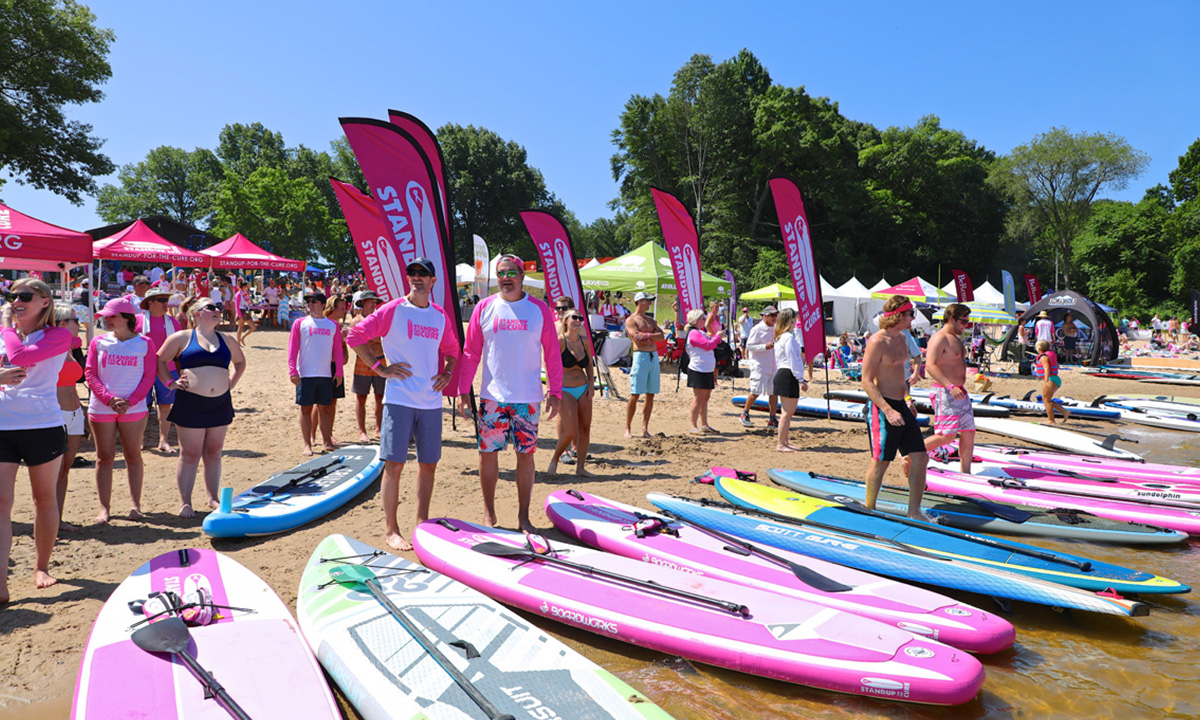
(903, 308)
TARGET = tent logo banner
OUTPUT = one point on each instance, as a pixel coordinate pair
(798, 247)
(683, 249)
(1010, 292)
(1034, 287)
(11, 242)
(557, 255)
(1062, 301)
(963, 286)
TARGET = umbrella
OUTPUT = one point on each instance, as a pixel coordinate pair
(989, 315)
(917, 289)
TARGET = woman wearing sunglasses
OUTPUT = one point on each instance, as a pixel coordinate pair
(31, 425)
(575, 417)
(203, 406)
(73, 415)
(120, 373)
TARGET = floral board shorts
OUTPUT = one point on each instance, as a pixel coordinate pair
(498, 422)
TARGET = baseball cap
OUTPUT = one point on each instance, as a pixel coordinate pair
(422, 262)
(770, 310)
(642, 296)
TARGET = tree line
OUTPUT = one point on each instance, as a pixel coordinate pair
(896, 201)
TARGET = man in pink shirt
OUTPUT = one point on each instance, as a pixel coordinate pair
(511, 333)
(315, 367)
(412, 331)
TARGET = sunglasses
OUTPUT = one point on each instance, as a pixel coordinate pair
(508, 273)
(419, 272)
(562, 308)
(576, 318)
(24, 297)
(73, 319)
(214, 308)
(160, 299)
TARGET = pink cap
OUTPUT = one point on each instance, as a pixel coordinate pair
(117, 306)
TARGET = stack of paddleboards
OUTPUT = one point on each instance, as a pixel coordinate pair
(404, 642)
(1025, 406)
(298, 496)
(1055, 437)
(248, 656)
(979, 515)
(813, 407)
(647, 536)
(922, 400)
(1135, 412)
(704, 619)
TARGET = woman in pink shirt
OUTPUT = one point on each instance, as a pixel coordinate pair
(31, 426)
(701, 373)
(120, 372)
(241, 311)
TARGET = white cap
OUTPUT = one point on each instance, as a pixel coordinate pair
(642, 296)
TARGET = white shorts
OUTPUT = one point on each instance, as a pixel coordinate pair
(760, 385)
(75, 420)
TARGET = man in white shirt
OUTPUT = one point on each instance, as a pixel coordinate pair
(507, 333)
(411, 331)
(760, 346)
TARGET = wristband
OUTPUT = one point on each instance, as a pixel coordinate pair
(378, 362)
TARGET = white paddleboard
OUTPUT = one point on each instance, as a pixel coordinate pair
(1053, 437)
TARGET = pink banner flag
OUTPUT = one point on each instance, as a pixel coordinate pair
(428, 143)
(797, 245)
(403, 185)
(963, 286)
(683, 249)
(1034, 287)
(375, 245)
(557, 254)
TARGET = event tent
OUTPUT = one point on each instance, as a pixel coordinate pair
(917, 289)
(773, 292)
(1098, 339)
(883, 284)
(986, 294)
(645, 268)
(138, 243)
(238, 253)
(23, 238)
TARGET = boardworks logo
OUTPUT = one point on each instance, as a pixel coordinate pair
(578, 618)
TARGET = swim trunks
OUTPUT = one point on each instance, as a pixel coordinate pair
(644, 375)
(886, 438)
(951, 416)
(499, 422)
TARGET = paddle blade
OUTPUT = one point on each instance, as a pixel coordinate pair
(351, 574)
(817, 580)
(1004, 512)
(169, 635)
(500, 550)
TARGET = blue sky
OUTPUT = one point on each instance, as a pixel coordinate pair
(554, 76)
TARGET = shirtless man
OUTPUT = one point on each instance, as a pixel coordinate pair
(946, 365)
(644, 332)
(891, 423)
(1070, 337)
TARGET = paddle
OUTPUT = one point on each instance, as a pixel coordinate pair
(1004, 512)
(788, 520)
(857, 507)
(496, 549)
(360, 575)
(316, 472)
(171, 636)
(808, 576)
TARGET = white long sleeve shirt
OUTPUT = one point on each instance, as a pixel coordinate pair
(789, 354)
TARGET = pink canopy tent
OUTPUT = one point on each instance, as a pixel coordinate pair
(238, 253)
(26, 238)
(138, 243)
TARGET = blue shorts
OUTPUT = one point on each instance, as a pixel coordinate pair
(402, 425)
(164, 395)
(644, 375)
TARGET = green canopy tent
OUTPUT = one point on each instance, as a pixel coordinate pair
(774, 291)
(645, 269)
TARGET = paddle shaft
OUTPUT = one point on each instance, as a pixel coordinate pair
(455, 674)
(502, 550)
(854, 506)
(1013, 515)
(1151, 503)
(213, 686)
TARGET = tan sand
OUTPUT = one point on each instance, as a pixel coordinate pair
(44, 631)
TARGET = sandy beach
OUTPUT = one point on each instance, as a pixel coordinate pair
(44, 631)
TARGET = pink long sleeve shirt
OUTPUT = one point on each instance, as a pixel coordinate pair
(312, 346)
(512, 339)
(32, 404)
(120, 369)
(412, 335)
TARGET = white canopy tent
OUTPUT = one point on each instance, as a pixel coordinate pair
(985, 293)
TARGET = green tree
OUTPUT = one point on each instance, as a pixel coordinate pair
(170, 181)
(1183, 224)
(1119, 255)
(489, 181)
(286, 215)
(1054, 179)
(51, 55)
(245, 148)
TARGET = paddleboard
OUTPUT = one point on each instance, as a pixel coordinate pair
(1071, 570)
(1188, 411)
(614, 527)
(702, 619)
(1141, 416)
(1050, 436)
(386, 673)
(886, 557)
(1012, 490)
(257, 654)
(813, 407)
(1029, 407)
(921, 401)
(979, 515)
(1169, 399)
(298, 496)
(1150, 492)
(1087, 465)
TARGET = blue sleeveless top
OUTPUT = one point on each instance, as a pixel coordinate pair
(194, 356)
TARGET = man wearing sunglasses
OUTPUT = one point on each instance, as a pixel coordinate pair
(946, 365)
(511, 334)
(891, 423)
(644, 378)
(411, 331)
